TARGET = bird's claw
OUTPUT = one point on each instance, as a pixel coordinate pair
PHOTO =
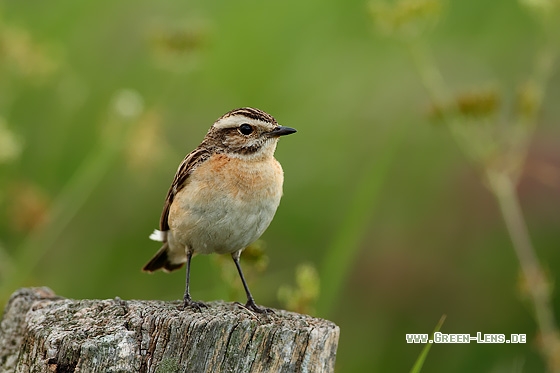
(194, 305)
(252, 306)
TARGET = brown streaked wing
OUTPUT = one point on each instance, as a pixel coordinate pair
(191, 161)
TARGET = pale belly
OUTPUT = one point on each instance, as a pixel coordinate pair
(220, 211)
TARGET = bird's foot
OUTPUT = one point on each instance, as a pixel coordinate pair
(252, 306)
(192, 304)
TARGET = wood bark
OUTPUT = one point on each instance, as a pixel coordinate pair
(41, 332)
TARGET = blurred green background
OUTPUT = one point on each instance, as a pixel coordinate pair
(101, 100)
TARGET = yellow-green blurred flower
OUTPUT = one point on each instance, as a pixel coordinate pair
(304, 296)
(178, 47)
(24, 56)
(10, 144)
(405, 18)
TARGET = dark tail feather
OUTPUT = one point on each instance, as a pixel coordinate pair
(161, 260)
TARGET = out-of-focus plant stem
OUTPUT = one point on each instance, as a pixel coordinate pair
(417, 367)
(429, 74)
(434, 83)
(536, 282)
(502, 180)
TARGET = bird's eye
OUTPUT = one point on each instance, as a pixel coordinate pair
(246, 129)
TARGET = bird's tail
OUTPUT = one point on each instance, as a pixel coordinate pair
(161, 261)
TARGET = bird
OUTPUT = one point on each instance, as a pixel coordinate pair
(223, 197)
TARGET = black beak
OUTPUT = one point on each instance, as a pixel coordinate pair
(281, 131)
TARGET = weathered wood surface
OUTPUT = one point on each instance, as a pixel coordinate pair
(40, 332)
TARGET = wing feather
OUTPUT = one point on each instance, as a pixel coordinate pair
(187, 166)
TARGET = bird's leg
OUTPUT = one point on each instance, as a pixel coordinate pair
(187, 301)
(250, 301)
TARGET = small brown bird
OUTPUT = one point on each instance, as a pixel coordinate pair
(224, 195)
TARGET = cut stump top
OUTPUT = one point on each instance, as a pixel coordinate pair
(42, 332)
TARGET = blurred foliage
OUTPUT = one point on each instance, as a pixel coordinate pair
(303, 297)
(100, 101)
(498, 146)
(10, 144)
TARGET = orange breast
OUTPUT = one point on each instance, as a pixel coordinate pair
(240, 178)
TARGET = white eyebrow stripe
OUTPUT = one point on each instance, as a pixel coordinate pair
(232, 122)
(237, 120)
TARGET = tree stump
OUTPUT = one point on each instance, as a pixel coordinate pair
(41, 332)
